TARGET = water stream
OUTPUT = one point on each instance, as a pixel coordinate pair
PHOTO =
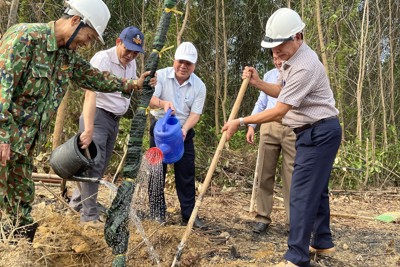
(140, 199)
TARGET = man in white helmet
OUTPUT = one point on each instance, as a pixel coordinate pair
(179, 89)
(37, 62)
(306, 104)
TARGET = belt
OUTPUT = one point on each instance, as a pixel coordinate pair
(307, 126)
(112, 115)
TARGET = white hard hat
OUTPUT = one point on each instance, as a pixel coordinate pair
(186, 51)
(93, 12)
(281, 27)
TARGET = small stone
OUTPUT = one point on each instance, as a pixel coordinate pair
(81, 248)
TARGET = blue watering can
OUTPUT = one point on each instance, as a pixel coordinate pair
(168, 138)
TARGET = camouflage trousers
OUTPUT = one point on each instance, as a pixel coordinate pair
(17, 190)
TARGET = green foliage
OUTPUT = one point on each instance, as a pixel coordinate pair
(341, 20)
(238, 140)
(40, 11)
(359, 166)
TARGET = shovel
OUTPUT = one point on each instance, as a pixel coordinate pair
(210, 172)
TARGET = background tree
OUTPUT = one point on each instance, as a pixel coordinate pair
(357, 41)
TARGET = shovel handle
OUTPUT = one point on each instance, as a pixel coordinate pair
(210, 172)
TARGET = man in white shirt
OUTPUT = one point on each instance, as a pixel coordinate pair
(183, 91)
(101, 113)
(275, 138)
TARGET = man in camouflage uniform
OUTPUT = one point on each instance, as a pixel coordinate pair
(37, 61)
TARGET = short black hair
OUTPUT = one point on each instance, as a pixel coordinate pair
(68, 16)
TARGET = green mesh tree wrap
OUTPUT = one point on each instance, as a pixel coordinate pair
(116, 230)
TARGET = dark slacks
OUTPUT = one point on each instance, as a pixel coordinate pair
(184, 180)
(84, 197)
(309, 201)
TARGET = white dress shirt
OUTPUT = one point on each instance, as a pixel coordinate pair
(265, 101)
(107, 60)
(186, 98)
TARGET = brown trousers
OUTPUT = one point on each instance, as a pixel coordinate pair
(275, 139)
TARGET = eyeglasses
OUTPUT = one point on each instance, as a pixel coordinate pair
(272, 40)
(185, 62)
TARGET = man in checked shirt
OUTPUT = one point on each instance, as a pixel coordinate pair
(306, 104)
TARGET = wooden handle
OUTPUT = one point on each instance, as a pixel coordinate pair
(211, 170)
(87, 153)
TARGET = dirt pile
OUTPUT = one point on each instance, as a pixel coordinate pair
(228, 240)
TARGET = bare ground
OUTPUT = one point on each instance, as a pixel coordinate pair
(228, 241)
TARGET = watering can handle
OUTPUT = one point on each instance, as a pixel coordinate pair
(166, 117)
(87, 153)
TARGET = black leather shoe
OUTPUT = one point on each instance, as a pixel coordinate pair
(260, 228)
(198, 223)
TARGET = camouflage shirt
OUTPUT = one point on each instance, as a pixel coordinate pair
(34, 76)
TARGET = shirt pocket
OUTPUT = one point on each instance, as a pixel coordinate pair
(38, 86)
(39, 80)
(189, 99)
(40, 71)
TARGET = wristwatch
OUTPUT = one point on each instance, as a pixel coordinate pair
(241, 122)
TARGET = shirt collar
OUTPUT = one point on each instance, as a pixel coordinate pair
(171, 75)
(115, 59)
(295, 56)
(114, 56)
(51, 37)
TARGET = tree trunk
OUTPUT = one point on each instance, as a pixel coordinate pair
(185, 19)
(362, 48)
(217, 77)
(392, 38)
(12, 18)
(302, 16)
(380, 78)
(320, 35)
(224, 100)
(141, 64)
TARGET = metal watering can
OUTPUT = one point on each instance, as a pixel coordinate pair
(168, 138)
(68, 160)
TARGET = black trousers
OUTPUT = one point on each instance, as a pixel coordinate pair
(309, 199)
(184, 170)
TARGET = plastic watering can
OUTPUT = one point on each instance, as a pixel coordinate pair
(168, 138)
(68, 159)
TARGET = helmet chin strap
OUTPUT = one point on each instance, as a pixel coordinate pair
(271, 40)
(81, 24)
